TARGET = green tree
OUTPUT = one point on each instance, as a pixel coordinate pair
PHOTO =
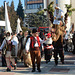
(69, 11)
(20, 10)
(38, 19)
(13, 16)
(2, 12)
(43, 18)
(50, 10)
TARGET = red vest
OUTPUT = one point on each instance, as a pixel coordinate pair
(33, 41)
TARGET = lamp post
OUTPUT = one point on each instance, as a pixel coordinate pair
(24, 11)
(45, 6)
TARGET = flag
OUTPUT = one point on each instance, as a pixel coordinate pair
(7, 22)
(18, 29)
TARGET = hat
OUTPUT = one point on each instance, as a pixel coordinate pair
(57, 7)
(8, 34)
(49, 35)
(34, 30)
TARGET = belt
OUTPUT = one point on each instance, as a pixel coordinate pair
(35, 48)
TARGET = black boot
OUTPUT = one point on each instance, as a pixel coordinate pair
(8, 70)
(39, 70)
(46, 61)
(56, 63)
(15, 59)
(33, 70)
(63, 63)
(15, 67)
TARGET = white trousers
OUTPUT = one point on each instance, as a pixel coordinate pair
(9, 59)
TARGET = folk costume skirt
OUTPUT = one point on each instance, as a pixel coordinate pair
(48, 54)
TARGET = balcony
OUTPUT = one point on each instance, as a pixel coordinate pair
(34, 2)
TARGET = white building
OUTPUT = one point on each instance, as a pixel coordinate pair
(73, 13)
(2, 23)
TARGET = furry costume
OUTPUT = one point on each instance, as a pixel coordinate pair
(58, 43)
(27, 59)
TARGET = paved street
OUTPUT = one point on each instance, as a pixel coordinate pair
(68, 68)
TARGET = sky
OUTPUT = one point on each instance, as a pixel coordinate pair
(15, 3)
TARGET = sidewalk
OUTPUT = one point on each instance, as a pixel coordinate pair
(68, 68)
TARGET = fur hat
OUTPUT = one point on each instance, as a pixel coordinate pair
(34, 30)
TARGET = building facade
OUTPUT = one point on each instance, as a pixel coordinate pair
(33, 5)
(73, 13)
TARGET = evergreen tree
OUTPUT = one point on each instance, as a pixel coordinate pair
(38, 19)
(20, 10)
(11, 13)
(13, 16)
(12, 5)
(2, 12)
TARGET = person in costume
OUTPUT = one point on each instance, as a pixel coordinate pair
(48, 47)
(58, 16)
(57, 38)
(33, 43)
(15, 43)
(9, 46)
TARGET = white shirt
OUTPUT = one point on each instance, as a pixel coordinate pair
(60, 13)
(15, 40)
(27, 47)
(48, 41)
(4, 42)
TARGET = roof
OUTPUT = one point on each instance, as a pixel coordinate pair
(2, 23)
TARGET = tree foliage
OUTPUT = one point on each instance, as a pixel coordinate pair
(50, 10)
(11, 13)
(20, 11)
(13, 16)
(69, 11)
(2, 13)
(38, 19)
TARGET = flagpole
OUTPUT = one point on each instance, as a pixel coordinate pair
(24, 11)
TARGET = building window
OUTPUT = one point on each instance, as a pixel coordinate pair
(27, 6)
(34, 6)
(31, 6)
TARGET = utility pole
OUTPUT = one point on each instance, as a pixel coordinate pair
(25, 3)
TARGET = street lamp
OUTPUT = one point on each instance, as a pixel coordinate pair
(24, 11)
